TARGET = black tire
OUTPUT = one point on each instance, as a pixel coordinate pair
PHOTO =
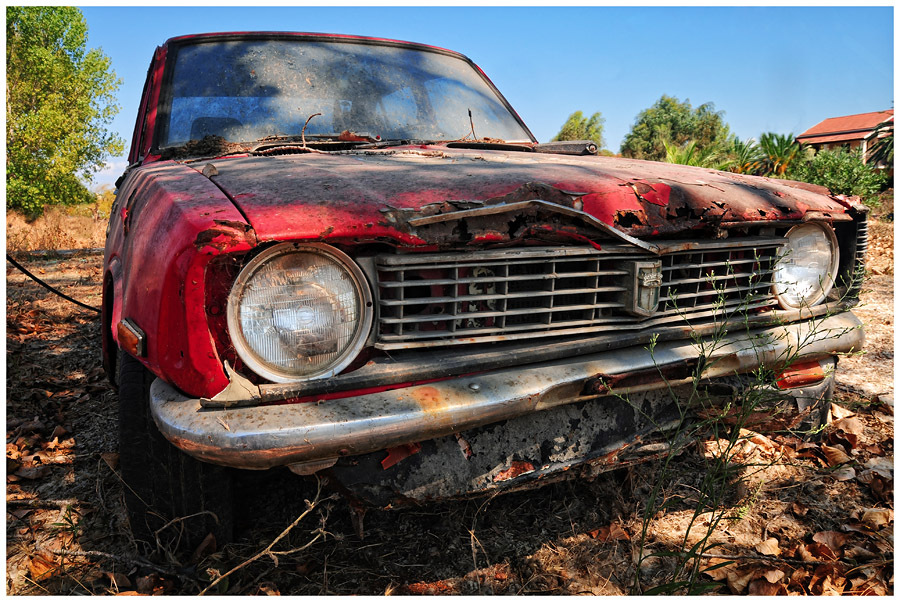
(161, 482)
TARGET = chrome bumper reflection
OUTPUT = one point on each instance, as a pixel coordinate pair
(265, 436)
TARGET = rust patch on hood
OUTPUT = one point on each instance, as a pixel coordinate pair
(648, 194)
(223, 236)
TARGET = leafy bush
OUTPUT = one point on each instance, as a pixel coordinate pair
(842, 172)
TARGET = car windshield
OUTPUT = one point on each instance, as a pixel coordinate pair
(247, 90)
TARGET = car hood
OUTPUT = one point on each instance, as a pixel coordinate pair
(385, 194)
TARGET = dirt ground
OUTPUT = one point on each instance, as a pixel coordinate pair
(815, 518)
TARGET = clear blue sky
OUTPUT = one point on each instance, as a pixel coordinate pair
(767, 68)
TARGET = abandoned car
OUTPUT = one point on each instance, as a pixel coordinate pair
(350, 257)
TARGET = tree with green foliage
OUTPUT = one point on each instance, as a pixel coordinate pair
(779, 152)
(579, 127)
(671, 121)
(842, 172)
(60, 98)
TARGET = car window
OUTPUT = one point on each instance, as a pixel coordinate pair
(244, 90)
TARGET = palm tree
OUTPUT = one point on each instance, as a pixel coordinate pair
(690, 154)
(882, 151)
(746, 156)
(779, 151)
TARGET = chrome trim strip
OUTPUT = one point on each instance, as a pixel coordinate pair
(266, 436)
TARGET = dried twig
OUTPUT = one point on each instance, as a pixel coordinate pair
(96, 554)
(35, 503)
(303, 131)
(267, 551)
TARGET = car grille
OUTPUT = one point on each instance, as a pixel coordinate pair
(862, 247)
(429, 300)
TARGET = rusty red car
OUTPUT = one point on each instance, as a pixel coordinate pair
(350, 257)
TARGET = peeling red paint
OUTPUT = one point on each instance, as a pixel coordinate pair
(400, 453)
(225, 235)
(516, 469)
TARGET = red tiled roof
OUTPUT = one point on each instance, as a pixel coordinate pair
(849, 127)
(825, 139)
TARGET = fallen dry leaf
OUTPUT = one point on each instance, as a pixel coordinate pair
(717, 574)
(768, 547)
(21, 513)
(268, 588)
(815, 552)
(42, 567)
(206, 547)
(773, 575)
(738, 580)
(835, 455)
(883, 465)
(835, 540)
(839, 412)
(882, 487)
(851, 425)
(799, 509)
(844, 473)
(613, 532)
(867, 587)
(833, 586)
(874, 449)
(12, 451)
(762, 587)
(845, 440)
(858, 553)
(119, 580)
(58, 432)
(877, 517)
(111, 459)
(856, 528)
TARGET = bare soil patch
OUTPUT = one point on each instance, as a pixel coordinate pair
(831, 517)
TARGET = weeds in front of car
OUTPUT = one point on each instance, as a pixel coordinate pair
(219, 580)
(705, 414)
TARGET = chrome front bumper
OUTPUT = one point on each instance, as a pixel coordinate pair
(308, 433)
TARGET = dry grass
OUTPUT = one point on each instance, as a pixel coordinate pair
(82, 227)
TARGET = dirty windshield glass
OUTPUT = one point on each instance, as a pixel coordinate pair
(247, 90)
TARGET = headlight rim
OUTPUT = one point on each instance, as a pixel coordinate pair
(831, 276)
(366, 311)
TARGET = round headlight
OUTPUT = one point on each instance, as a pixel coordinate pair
(299, 312)
(806, 266)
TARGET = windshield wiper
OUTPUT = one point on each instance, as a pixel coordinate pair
(343, 141)
(345, 136)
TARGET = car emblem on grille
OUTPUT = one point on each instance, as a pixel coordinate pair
(642, 286)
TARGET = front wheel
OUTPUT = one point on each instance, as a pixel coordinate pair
(173, 500)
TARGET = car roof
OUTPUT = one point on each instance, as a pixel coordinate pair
(275, 35)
